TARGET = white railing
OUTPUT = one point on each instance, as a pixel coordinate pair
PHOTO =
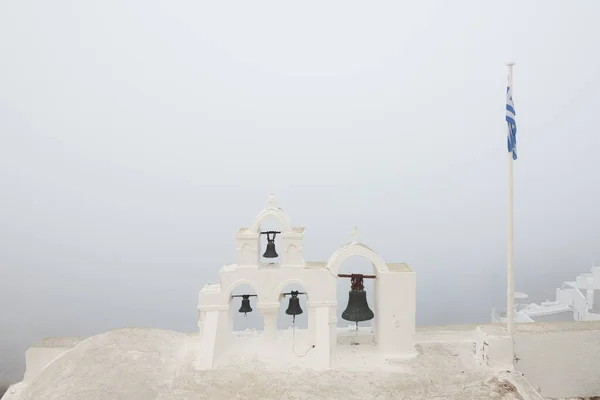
(565, 296)
(499, 316)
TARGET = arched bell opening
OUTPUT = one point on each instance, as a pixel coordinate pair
(271, 245)
(243, 311)
(293, 319)
(293, 307)
(356, 301)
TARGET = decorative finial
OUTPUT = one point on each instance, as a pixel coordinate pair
(272, 203)
(355, 234)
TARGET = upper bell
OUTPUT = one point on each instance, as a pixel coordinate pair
(270, 251)
(358, 309)
(294, 305)
(245, 308)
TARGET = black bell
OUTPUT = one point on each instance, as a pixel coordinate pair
(270, 251)
(245, 308)
(294, 305)
(357, 310)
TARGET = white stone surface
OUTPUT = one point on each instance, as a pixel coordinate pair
(494, 347)
(132, 363)
(151, 364)
(561, 359)
(139, 364)
(36, 359)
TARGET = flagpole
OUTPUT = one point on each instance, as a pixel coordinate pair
(510, 281)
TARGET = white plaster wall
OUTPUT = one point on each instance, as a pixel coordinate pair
(268, 282)
(222, 341)
(582, 281)
(208, 340)
(322, 357)
(37, 358)
(447, 333)
(394, 320)
(494, 347)
(395, 296)
(333, 325)
(580, 305)
(560, 358)
(40, 355)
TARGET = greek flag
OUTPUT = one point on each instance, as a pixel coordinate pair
(510, 119)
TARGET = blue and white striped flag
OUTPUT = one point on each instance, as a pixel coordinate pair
(510, 119)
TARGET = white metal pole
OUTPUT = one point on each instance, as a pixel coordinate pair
(510, 281)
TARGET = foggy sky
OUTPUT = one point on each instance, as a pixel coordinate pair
(137, 137)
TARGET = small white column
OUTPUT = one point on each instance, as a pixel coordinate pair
(200, 322)
(322, 358)
(313, 321)
(270, 314)
(332, 327)
(214, 339)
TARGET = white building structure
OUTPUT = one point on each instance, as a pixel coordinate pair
(394, 322)
(577, 300)
(392, 360)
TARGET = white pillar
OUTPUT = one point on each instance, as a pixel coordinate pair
(332, 327)
(313, 321)
(510, 280)
(201, 318)
(322, 348)
(270, 315)
(214, 339)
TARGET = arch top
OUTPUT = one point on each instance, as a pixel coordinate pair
(355, 249)
(242, 281)
(290, 281)
(272, 210)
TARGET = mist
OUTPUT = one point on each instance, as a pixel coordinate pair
(136, 138)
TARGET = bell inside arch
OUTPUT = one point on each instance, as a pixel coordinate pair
(357, 309)
(270, 251)
(245, 308)
(294, 305)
